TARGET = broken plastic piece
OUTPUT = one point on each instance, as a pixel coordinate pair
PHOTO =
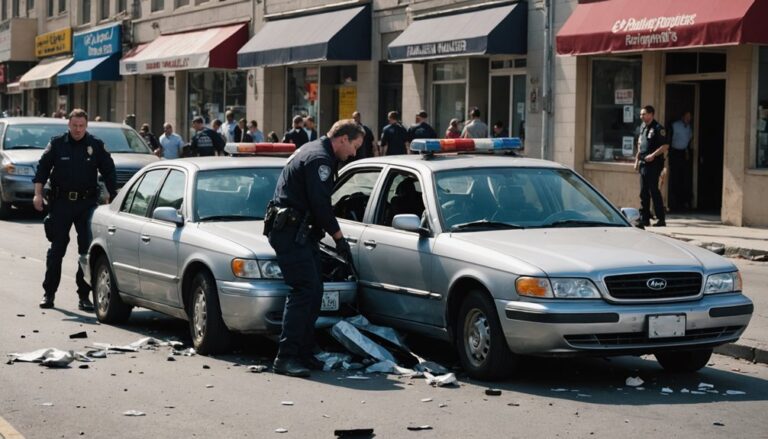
(559, 389)
(357, 377)
(448, 379)
(383, 332)
(493, 392)
(97, 353)
(718, 424)
(49, 357)
(703, 386)
(634, 381)
(431, 367)
(667, 390)
(81, 334)
(735, 392)
(354, 432)
(426, 399)
(259, 368)
(287, 403)
(281, 430)
(133, 413)
(419, 427)
(357, 343)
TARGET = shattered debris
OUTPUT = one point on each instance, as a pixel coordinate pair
(257, 369)
(735, 392)
(354, 432)
(634, 381)
(49, 357)
(357, 343)
(419, 427)
(281, 430)
(81, 334)
(286, 402)
(133, 413)
(448, 379)
(493, 392)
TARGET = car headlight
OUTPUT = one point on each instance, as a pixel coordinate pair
(19, 169)
(247, 268)
(556, 288)
(270, 269)
(723, 283)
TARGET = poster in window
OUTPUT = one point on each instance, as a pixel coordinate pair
(627, 146)
(347, 101)
(629, 114)
(623, 96)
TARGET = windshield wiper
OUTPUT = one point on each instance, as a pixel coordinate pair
(581, 223)
(485, 224)
(231, 218)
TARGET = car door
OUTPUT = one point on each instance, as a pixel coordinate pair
(159, 246)
(124, 229)
(395, 265)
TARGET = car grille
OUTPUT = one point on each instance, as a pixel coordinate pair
(635, 286)
(629, 339)
(123, 175)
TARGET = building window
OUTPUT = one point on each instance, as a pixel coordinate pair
(303, 93)
(212, 93)
(104, 10)
(105, 101)
(49, 8)
(85, 11)
(762, 109)
(15, 8)
(180, 3)
(30, 5)
(4, 13)
(615, 109)
(62, 6)
(158, 5)
(449, 90)
(122, 5)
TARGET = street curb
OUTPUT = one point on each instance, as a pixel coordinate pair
(721, 249)
(744, 352)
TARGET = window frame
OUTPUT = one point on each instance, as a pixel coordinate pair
(85, 14)
(380, 170)
(164, 171)
(383, 200)
(182, 208)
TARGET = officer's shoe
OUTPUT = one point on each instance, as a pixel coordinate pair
(47, 302)
(85, 304)
(291, 367)
(312, 363)
(660, 223)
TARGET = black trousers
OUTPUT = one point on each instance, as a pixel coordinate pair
(679, 179)
(62, 214)
(649, 190)
(302, 271)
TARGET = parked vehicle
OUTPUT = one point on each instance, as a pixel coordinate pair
(506, 256)
(185, 238)
(23, 139)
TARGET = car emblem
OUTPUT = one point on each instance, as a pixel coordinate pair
(657, 283)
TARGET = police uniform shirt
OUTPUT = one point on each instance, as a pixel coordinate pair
(366, 149)
(297, 136)
(421, 131)
(652, 137)
(72, 165)
(306, 183)
(393, 136)
(206, 142)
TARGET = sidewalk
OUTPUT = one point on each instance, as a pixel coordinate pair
(741, 242)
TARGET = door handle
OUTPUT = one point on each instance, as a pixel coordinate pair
(111, 230)
(351, 239)
(370, 243)
(145, 238)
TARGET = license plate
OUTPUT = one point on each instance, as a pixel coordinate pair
(330, 301)
(666, 326)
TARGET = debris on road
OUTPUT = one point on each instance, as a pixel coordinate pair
(706, 386)
(357, 377)
(735, 392)
(357, 343)
(81, 334)
(286, 402)
(718, 424)
(667, 390)
(426, 399)
(281, 430)
(49, 357)
(493, 392)
(133, 413)
(419, 427)
(634, 381)
(354, 432)
(448, 379)
(257, 368)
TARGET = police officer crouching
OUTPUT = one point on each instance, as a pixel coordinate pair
(652, 144)
(71, 160)
(298, 216)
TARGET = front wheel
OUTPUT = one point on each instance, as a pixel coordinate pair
(684, 361)
(482, 347)
(110, 308)
(209, 333)
(5, 208)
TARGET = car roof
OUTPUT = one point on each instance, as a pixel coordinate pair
(216, 163)
(56, 121)
(443, 162)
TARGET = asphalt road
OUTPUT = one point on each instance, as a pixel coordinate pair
(217, 397)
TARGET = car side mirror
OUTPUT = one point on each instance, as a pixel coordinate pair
(168, 214)
(632, 215)
(408, 222)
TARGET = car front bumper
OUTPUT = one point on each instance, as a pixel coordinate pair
(17, 189)
(257, 306)
(597, 327)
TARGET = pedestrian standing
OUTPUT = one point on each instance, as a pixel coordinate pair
(421, 129)
(296, 135)
(171, 142)
(72, 162)
(680, 191)
(256, 134)
(499, 130)
(309, 128)
(393, 136)
(243, 135)
(475, 128)
(298, 216)
(651, 146)
(272, 137)
(206, 141)
(453, 131)
(151, 140)
(369, 140)
(230, 130)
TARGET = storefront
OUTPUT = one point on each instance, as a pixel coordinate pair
(42, 94)
(473, 58)
(703, 57)
(195, 70)
(17, 56)
(322, 65)
(96, 69)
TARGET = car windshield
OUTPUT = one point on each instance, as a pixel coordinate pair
(234, 194)
(37, 136)
(513, 198)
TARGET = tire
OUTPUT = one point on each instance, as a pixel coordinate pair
(209, 333)
(481, 344)
(5, 208)
(108, 305)
(684, 361)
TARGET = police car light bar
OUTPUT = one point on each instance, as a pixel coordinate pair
(259, 148)
(431, 146)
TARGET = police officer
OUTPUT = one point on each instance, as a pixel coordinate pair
(205, 142)
(652, 144)
(71, 160)
(298, 216)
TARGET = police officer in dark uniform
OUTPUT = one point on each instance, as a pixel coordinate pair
(298, 216)
(205, 142)
(296, 135)
(71, 160)
(652, 144)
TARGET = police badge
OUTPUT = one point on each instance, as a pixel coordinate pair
(89, 150)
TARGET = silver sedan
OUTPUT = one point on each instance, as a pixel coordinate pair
(184, 237)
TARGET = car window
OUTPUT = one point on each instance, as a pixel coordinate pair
(351, 195)
(402, 194)
(147, 189)
(234, 193)
(128, 200)
(122, 140)
(19, 136)
(172, 193)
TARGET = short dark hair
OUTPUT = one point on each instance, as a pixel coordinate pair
(474, 112)
(297, 119)
(253, 123)
(198, 119)
(78, 112)
(310, 118)
(499, 124)
(346, 127)
(393, 115)
(422, 114)
(649, 109)
(216, 121)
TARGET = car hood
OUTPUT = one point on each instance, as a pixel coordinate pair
(569, 251)
(132, 161)
(248, 234)
(23, 156)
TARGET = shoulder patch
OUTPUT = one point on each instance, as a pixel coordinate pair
(324, 172)
(663, 132)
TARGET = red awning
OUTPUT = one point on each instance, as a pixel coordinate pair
(610, 26)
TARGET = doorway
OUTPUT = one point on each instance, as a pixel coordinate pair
(158, 105)
(704, 171)
(507, 97)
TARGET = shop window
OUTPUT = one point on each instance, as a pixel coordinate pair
(303, 93)
(615, 108)
(4, 13)
(105, 101)
(104, 9)
(449, 88)
(30, 5)
(212, 93)
(85, 11)
(122, 5)
(157, 5)
(15, 8)
(180, 3)
(49, 7)
(762, 109)
(691, 63)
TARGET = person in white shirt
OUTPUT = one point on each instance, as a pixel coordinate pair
(680, 169)
(171, 142)
(229, 130)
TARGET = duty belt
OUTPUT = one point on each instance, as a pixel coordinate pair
(75, 195)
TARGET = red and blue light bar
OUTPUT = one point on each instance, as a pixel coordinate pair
(265, 148)
(497, 144)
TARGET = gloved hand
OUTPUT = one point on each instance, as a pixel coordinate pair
(343, 250)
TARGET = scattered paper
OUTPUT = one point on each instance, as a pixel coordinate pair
(133, 413)
(634, 381)
(448, 379)
(281, 430)
(735, 392)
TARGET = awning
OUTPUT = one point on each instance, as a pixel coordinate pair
(214, 48)
(632, 25)
(44, 74)
(14, 88)
(343, 35)
(105, 68)
(501, 30)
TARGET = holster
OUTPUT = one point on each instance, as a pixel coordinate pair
(269, 218)
(48, 228)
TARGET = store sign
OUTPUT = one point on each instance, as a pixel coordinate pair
(53, 43)
(649, 32)
(165, 65)
(436, 49)
(99, 42)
